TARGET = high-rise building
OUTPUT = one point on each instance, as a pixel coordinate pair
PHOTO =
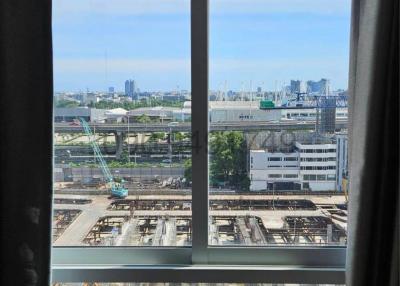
(321, 86)
(326, 123)
(294, 86)
(130, 88)
(297, 86)
(111, 90)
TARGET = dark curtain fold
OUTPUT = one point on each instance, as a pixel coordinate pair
(373, 248)
(26, 91)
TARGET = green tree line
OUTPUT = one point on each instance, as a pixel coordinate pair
(228, 160)
(133, 105)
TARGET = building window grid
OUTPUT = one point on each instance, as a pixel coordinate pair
(332, 150)
(318, 167)
(324, 159)
(274, 159)
(291, 159)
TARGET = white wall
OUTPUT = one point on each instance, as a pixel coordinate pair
(262, 167)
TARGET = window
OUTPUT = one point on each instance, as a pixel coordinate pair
(291, 159)
(122, 141)
(246, 76)
(274, 176)
(237, 93)
(274, 159)
(290, 176)
(331, 177)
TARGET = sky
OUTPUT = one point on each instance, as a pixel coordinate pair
(253, 43)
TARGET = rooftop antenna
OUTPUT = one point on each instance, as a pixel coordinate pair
(251, 96)
(225, 91)
(262, 90)
(106, 68)
(242, 90)
(251, 90)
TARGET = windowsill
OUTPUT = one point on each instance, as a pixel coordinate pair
(198, 273)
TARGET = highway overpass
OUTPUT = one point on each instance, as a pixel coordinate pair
(186, 127)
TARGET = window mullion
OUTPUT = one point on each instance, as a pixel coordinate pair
(199, 73)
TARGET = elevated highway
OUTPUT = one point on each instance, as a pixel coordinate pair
(120, 130)
(186, 127)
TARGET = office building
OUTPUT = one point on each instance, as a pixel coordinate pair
(321, 87)
(298, 86)
(311, 165)
(130, 89)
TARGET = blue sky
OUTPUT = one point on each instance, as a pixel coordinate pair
(100, 43)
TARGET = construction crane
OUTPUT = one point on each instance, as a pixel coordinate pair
(117, 189)
(305, 100)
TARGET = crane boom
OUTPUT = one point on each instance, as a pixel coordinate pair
(116, 189)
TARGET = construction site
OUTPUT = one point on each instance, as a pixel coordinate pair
(165, 220)
(155, 210)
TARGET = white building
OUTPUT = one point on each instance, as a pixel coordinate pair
(317, 166)
(65, 114)
(157, 113)
(310, 113)
(269, 169)
(309, 166)
(115, 115)
(236, 111)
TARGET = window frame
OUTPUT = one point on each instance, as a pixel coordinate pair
(201, 262)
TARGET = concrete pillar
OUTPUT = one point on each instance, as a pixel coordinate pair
(119, 144)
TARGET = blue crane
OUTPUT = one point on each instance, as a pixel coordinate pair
(117, 189)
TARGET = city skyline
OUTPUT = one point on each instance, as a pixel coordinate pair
(97, 45)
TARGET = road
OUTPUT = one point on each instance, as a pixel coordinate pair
(186, 127)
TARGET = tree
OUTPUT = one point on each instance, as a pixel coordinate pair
(228, 159)
(137, 104)
(143, 119)
(178, 136)
(67, 103)
(188, 170)
(155, 136)
(124, 157)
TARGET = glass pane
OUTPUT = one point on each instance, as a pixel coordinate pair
(122, 112)
(278, 122)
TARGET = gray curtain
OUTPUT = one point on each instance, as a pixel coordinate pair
(26, 145)
(373, 246)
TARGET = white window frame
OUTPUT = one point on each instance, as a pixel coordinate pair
(201, 262)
